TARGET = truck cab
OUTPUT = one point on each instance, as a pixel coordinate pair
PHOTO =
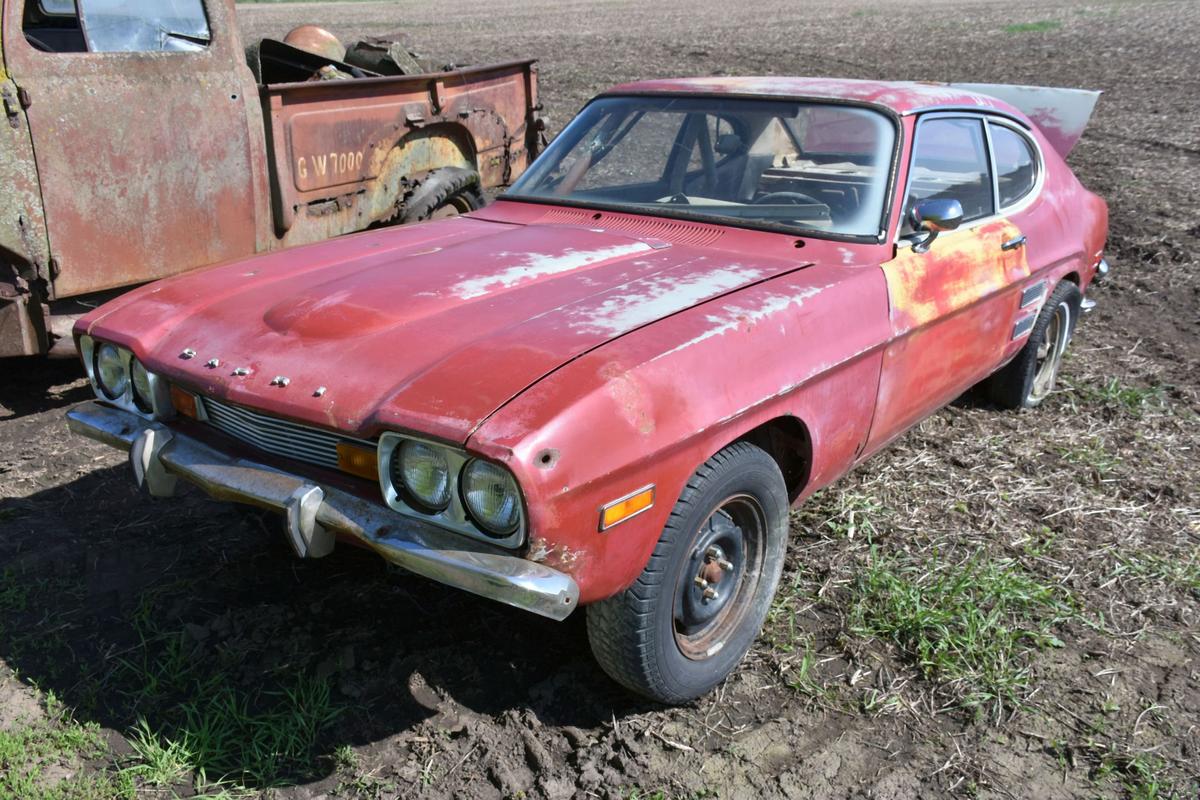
(138, 142)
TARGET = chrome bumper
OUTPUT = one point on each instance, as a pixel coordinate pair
(315, 513)
(1101, 271)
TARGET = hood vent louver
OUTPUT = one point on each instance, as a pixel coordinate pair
(642, 227)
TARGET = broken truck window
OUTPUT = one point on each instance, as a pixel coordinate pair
(144, 25)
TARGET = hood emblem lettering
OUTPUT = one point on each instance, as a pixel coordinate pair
(213, 363)
(320, 392)
(187, 353)
(280, 380)
(241, 372)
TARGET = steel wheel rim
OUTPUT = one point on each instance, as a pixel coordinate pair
(1050, 352)
(737, 529)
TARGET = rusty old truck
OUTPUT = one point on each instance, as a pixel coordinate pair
(141, 139)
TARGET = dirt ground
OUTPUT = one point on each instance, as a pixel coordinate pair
(1070, 670)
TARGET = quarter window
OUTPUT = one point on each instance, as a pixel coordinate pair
(1016, 165)
(950, 161)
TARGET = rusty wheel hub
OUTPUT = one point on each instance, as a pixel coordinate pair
(718, 577)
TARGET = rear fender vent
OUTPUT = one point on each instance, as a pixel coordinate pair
(643, 227)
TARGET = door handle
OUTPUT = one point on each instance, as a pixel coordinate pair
(1013, 244)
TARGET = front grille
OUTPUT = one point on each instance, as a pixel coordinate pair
(276, 436)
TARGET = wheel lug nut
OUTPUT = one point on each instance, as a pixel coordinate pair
(703, 584)
(710, 594)
(724, 564)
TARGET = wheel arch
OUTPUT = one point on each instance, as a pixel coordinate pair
(787, 440)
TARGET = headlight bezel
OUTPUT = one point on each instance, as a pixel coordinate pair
(157, 406)
(455, 516)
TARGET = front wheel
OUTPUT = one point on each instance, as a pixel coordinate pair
(697, 607)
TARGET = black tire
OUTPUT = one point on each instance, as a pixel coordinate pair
(444, 192)
(1029, 378)
(648, 637)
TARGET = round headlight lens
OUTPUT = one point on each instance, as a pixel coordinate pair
(490, 495)
(110, 371)
(141, 386)
(424, 474)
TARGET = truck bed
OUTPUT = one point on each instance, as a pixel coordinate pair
(344, 153)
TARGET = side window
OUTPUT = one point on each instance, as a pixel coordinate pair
(950, 161)
(125, 26)
(52, 26)
(1016, 164)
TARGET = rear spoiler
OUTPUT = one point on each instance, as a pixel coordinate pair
(1061, 114)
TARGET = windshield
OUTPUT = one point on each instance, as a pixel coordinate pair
(810, 166)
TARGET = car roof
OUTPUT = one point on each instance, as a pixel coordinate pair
(902, 97)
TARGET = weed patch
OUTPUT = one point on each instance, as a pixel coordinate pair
(1041, 26)
(971, 626)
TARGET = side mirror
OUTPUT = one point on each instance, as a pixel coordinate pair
(934, 217)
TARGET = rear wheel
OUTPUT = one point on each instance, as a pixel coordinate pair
(695, 610)
(1029, 378)
(446, 192)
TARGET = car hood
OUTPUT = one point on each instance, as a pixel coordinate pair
(427, 329)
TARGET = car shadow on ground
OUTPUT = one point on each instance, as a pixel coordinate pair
(35, 384)
(186, 614)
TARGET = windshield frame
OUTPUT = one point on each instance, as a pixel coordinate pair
(681, 212)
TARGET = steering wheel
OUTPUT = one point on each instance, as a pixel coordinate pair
(795, 198)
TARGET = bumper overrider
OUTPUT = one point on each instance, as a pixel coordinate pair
(315, 514)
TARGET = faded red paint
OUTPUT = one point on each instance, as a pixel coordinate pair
(630, 347)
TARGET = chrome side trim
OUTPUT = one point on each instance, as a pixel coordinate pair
(314, 512)
(1023, 327)
(1033, 294)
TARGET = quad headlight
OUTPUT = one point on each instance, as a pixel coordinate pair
(424, 473)
(143, 390)
(112, 375)
(490, 495)
(121, 379)
(448, 487)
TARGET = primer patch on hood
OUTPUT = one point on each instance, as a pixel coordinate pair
(648, 300)
(537, 265)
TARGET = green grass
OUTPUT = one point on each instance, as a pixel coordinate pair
(1120, 397)
(222, 734)
(1094, 454)
(1181, 572)
(41, 760)
(971, 626)
(1041, 26)
(198, 719)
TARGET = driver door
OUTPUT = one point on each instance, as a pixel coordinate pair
(146, 132)
(950, 318)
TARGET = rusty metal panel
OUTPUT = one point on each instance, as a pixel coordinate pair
(24, 254)
(146, 160)
(342, 150)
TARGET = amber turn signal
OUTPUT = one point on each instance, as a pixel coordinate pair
(629, 506)
(183, 401)
(358, 460)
